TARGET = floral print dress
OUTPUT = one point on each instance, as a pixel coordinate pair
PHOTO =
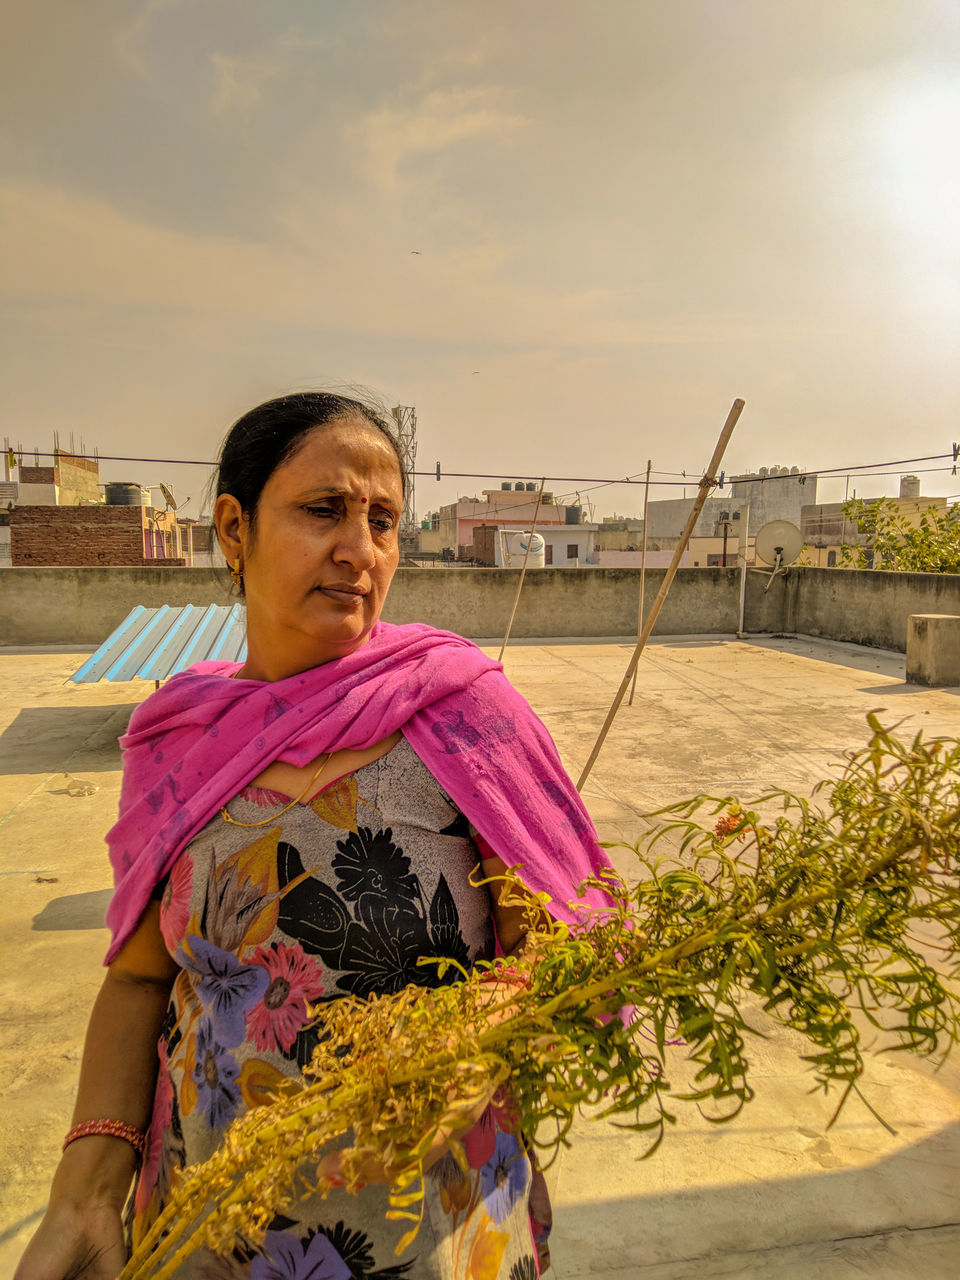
(343, 894)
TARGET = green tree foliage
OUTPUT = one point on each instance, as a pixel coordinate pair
(932, 546)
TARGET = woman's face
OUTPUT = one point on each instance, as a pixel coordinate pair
(322, 550)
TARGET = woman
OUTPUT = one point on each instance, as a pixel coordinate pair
(300, 826)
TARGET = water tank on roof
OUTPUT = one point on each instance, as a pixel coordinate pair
(518, 549)
(123, 494)
(764, 472)
(572, 515)
(909, 486)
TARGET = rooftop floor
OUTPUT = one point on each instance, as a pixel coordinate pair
(771, 1194)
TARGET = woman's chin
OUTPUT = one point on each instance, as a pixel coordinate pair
(336, 641)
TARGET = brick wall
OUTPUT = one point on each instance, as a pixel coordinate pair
(79, 536)
(38, 475)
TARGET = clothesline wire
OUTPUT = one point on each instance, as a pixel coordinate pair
(862, 469)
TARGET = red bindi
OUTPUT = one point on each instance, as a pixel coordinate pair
(363, 499)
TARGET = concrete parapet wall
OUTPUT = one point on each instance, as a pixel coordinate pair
(83, 605)
(869, 606)
(577, 602)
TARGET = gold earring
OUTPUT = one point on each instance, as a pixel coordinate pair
(237, 573)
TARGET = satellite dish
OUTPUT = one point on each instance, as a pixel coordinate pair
(168, 498)
(778, 543)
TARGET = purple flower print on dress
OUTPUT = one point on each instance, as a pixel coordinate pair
(284, 1257)
(504, 1176)
(227, 987)
(215, 1073)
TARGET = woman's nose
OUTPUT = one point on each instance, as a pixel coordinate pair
(355, 544)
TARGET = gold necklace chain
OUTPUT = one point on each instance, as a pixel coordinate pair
(273, 816)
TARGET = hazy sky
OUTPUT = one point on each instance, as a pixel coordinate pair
(626, 214)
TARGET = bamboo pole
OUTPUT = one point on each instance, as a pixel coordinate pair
(523, 570)
(643, 574)
(706, 484)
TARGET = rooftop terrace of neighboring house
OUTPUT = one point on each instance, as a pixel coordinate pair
(774, 1193)
(60, 514)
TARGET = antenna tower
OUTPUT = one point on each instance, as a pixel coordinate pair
(405, 416)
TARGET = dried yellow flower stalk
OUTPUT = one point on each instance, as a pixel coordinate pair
(811, 911)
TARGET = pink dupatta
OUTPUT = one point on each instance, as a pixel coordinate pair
(199, 739)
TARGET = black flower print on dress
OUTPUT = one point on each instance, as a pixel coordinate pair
(372, 871)
(382, 955)
(445, 936)
(356, 1249)
(378, 927)
(525, 1269)
(311, 911)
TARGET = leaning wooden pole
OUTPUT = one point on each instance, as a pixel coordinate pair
(523, 570)
(643, 574)
(706, 484)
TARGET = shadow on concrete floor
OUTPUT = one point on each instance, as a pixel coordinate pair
(681, 1230)
(46, 739)
(74, 911)
(896, 689)
(688, 642)
(837, 653)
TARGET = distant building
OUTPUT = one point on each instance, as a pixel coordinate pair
(97, 534)
(69, 481)
(513, 505)
(565, 546)
(61, 515)
(700, 553)
(772, 493)
(827, 530)
(619, 533)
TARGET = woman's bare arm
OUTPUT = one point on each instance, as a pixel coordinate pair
(81, 1234)
(511, 920)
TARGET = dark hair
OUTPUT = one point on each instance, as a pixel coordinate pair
(272, 433)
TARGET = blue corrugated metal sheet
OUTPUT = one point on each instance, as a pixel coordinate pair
(151, 644)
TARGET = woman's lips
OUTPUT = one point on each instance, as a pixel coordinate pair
(344, 595)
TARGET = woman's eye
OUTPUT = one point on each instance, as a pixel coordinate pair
(321, 511)
(383, 523)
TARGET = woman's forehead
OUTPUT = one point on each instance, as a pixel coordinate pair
(339, 456)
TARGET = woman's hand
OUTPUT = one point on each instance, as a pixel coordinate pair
(75, 1243)
(81, 1235)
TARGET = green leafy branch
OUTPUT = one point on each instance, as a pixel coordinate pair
(929, 544)
(809, 907)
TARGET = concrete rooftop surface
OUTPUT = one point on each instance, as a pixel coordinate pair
(771, 1194)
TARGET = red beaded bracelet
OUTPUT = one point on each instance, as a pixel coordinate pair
(111, 1129)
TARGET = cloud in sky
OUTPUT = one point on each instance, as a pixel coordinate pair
(624, 214)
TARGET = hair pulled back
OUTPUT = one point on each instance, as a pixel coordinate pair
(272, 433)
